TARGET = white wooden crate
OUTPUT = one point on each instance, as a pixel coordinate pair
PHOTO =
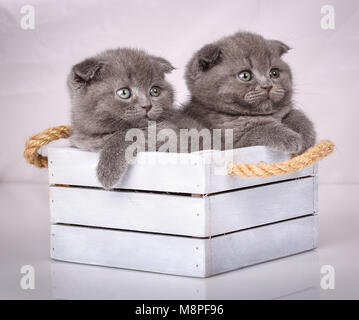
(179, 213)
(167, 172)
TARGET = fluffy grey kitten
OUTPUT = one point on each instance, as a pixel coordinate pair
(241, 82)
(112, 92)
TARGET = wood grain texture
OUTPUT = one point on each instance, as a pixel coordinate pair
(184, 215)
(201, 172)
(140, 211)
(183, 255)
(129, 250)
(261, 244)
(260, 205)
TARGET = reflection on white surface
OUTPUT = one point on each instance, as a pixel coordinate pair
(24, 240)
(294, 277)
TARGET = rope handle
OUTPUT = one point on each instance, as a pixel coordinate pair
(39, 140)
(264, 170)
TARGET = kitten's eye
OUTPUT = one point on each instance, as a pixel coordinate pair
(274, 73)
(155, 91)
(124, 93)
(245, 75)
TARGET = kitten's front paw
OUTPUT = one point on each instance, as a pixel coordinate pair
(106, 178)
(293, 144)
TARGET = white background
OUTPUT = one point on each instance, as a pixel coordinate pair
(34, 63)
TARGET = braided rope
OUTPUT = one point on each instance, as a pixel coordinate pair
(264, 170)
(37, 141)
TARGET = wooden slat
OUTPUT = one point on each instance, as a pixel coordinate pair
(183, 255)
(161, 213)
(151, 172)
(184, 215)
(130, 250)
(262, 244)
(183, 173)
(262, 204)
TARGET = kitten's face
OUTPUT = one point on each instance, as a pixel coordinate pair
(128, 86)
(242, 74)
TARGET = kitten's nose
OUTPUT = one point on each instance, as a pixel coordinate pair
(147, 108)
(267, 88)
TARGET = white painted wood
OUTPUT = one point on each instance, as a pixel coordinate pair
(153, 171)
(183, 255)
(184, 215)
(260, 205)
(131, 250)
(199, 172)
(153, 212)
(261, 244)
(315, 191)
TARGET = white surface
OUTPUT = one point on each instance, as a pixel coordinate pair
(199, 172)
(271, 280)
(180, 255)
(25, 239)
(193, 216)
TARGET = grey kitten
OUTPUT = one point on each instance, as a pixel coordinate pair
(241, 82)
(112, 92)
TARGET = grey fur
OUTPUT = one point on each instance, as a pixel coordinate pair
(219, 99)
(100, 118)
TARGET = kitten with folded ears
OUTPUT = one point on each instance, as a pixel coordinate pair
(241, 82)
(112, 92)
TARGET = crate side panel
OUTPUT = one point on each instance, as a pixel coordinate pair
(315, 191)
(260, 205)
(129, 250)
(248, 247)
(153, 171)
(151, 212)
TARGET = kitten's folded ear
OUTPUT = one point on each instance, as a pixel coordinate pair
(208, 57)
(165, 65)
(203, 60)
(87, 70)
(279, 47)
